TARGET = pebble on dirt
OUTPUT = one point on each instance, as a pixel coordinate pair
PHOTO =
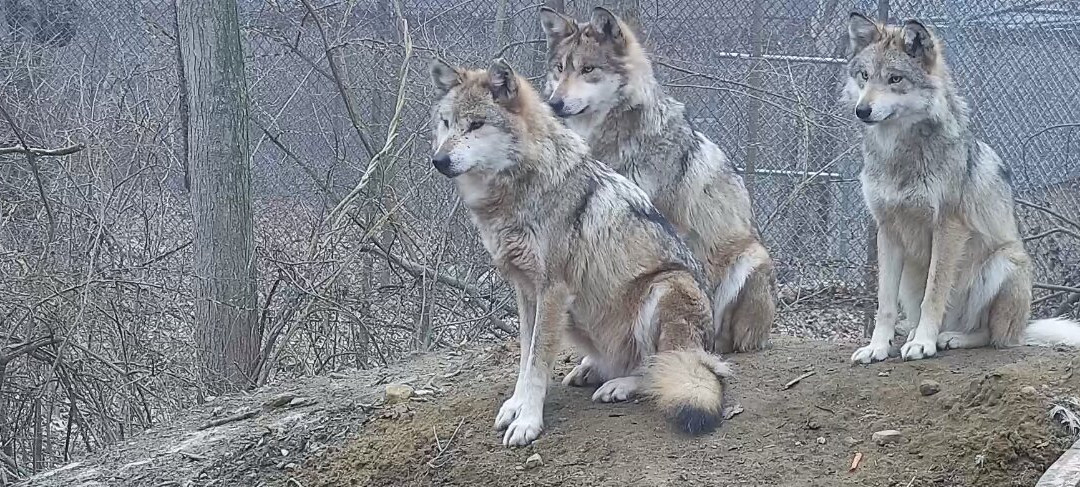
(929, 387)
(887, 437)
(397, 393)
(1029, 391)
(535, 460)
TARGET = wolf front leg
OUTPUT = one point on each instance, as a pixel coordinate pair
(947, 245)
(543, 321)
(890, 267)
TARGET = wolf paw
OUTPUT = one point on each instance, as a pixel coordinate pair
(585, 374)
(949, 340)
(522, 423)
(918, 349)
(871, 353)
(617, 390)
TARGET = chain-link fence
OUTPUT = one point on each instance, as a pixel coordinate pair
(95, 256)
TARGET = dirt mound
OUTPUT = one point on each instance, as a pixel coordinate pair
(982, 428)
(987, 425)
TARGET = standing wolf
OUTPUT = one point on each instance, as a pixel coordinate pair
(601, 82)
(587, 253)
(948, 246)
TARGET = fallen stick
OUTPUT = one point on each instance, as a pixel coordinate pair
(230, 419)
(798, 379)
(855, 461)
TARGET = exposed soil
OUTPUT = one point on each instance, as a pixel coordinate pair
(982, 429)
(979, 430)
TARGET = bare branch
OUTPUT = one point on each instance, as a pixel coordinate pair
(38, 151)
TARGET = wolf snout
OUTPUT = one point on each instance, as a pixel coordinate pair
(863, 112)
(557, 106)
(442, 164)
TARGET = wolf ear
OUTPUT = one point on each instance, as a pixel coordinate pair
(862, 32)
(918, 42)
(504, 86)
(556, 26)
(606, 24)
(444, 77)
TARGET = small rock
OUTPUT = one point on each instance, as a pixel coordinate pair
(812, 425)
(929, 387)
(300, 401)
(1028, 391)
(883, 374)
(849, 441)
(534, 461)
(821, 440)
(887, 437)
(398, 393)
(280, 400)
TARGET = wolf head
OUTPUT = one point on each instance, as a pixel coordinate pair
(478, 117)
(895, 72)
(592, 66)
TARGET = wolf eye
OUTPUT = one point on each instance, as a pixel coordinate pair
(894, 79)
(863, 76)
(475, 125)
(587, 69)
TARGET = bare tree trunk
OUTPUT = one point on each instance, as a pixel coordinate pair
(219, 162)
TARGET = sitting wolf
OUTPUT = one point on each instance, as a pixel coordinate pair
(590, 258)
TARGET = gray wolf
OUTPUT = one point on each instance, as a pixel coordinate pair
(589, 256)
(601, 82)
(949, 251)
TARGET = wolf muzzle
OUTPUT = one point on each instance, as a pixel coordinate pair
(442, 164)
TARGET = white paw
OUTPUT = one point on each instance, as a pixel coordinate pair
(525, 428)
(918, 349)
(949, 340)
(617, 390)
(522, 422)
(871, 353)
(584, 374)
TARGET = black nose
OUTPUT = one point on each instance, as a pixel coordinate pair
(863, 112)
(556, 105)
(442, 164)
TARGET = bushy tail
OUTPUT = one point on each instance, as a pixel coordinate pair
(688, 387)
(1051, 332)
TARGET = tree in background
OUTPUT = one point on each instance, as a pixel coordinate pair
(218, 158)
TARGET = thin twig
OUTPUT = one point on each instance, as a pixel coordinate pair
(1055, 287)
(1048, 211)
(339, 77)
(230, 419)
(391, 132)
(798, 379)
(442, 448)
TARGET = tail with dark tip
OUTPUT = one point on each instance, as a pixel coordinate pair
(688, 387)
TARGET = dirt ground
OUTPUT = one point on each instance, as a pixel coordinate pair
(988, 426)
(982, 429)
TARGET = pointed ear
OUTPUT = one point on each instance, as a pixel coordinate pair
(504, 86)
(444, 77)
(606, 24)
(556, 26)
(862, 32)
(919, 42)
